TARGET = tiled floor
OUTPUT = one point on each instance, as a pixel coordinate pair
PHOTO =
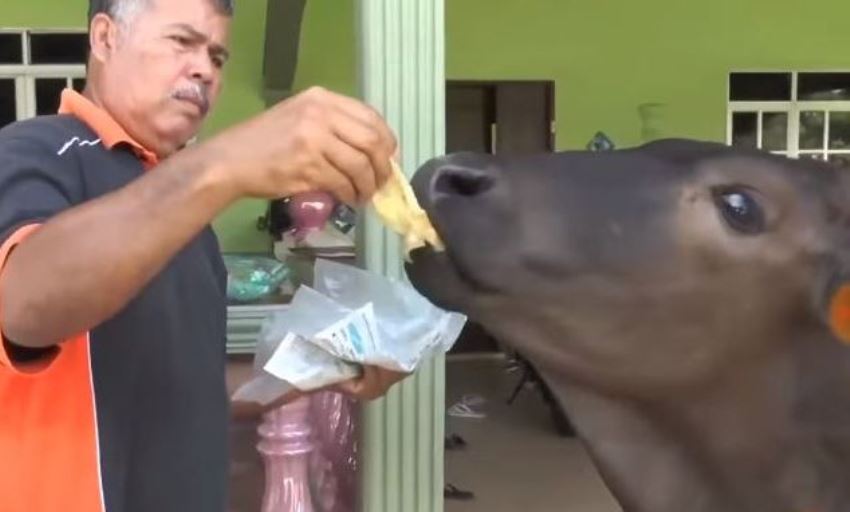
(515, 444)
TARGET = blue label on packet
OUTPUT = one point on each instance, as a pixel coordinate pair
(356, 339)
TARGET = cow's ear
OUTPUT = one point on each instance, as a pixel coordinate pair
(838, 310)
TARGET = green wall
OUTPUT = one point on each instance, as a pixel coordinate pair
(328, 52)
(241, 96)
(43, 13)
(609, 57)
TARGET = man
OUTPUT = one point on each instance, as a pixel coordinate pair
(112, 304)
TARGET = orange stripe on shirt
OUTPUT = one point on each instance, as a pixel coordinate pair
(49, 456)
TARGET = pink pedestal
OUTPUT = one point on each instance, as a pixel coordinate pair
(285, 446)
(309, 448)
(335, 461)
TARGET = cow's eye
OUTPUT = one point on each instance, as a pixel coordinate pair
(740, 209)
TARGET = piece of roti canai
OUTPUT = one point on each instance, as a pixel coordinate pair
(397, 207)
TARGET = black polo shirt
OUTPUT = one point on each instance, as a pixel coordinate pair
(132, 416)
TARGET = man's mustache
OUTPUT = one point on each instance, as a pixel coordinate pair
(195, 93)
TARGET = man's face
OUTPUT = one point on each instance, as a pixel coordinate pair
(163, 74)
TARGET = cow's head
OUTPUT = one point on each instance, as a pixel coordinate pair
(652, 268)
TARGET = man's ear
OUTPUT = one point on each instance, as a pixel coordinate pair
(103, 36)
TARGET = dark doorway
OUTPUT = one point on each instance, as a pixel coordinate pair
(497, 117)
(506, 117)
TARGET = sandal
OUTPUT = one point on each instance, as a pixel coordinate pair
(450, 492)
(464, 411)
(454, 442)
(466, 407)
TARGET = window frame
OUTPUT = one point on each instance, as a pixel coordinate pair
(26, 74)
(793, 108)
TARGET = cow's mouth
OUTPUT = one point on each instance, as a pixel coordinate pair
(452, 268)
(453, 276)
(437, 276)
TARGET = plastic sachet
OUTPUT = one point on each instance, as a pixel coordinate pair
(349, 318)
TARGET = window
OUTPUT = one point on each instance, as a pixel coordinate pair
(35, 66)
(798, 114)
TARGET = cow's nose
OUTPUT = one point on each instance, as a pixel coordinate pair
(453, 180)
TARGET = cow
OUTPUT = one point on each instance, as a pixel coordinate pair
(687, 302)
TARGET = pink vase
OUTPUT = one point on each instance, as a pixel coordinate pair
(334, 462)
(285, 446)
(310, 451)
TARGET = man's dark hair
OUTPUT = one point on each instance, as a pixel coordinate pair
(114, 8)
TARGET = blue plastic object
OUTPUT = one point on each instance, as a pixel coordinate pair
(601, 142)
(252, 278)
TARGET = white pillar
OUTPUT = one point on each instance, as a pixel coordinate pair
(401, 66)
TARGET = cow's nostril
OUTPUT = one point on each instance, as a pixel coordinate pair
(463, 182)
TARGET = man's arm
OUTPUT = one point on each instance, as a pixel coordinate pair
(84, 264)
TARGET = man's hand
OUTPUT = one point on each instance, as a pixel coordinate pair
(317, 140)
(240, 410)
(374, 383)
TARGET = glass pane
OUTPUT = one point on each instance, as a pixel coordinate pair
(823, 86)
(774, 131)
(811, 130)
(8, 109)
(11, 49)
(760, 87)
(47, 95)
(745, 129)
(839, 130)
(79, 84)
(840, 160)
(59, 48)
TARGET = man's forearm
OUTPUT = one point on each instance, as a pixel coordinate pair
(84, 265)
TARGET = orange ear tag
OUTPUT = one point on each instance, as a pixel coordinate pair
(839, 313)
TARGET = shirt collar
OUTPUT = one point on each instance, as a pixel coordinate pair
(104, 125)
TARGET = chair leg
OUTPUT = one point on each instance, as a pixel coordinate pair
(561, 421)
(526, 376)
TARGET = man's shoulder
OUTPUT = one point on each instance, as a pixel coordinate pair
(54, 132)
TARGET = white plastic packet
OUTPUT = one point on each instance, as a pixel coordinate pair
(350, 318)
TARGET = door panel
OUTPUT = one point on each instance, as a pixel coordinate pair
(469, 114)
(523, 118)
